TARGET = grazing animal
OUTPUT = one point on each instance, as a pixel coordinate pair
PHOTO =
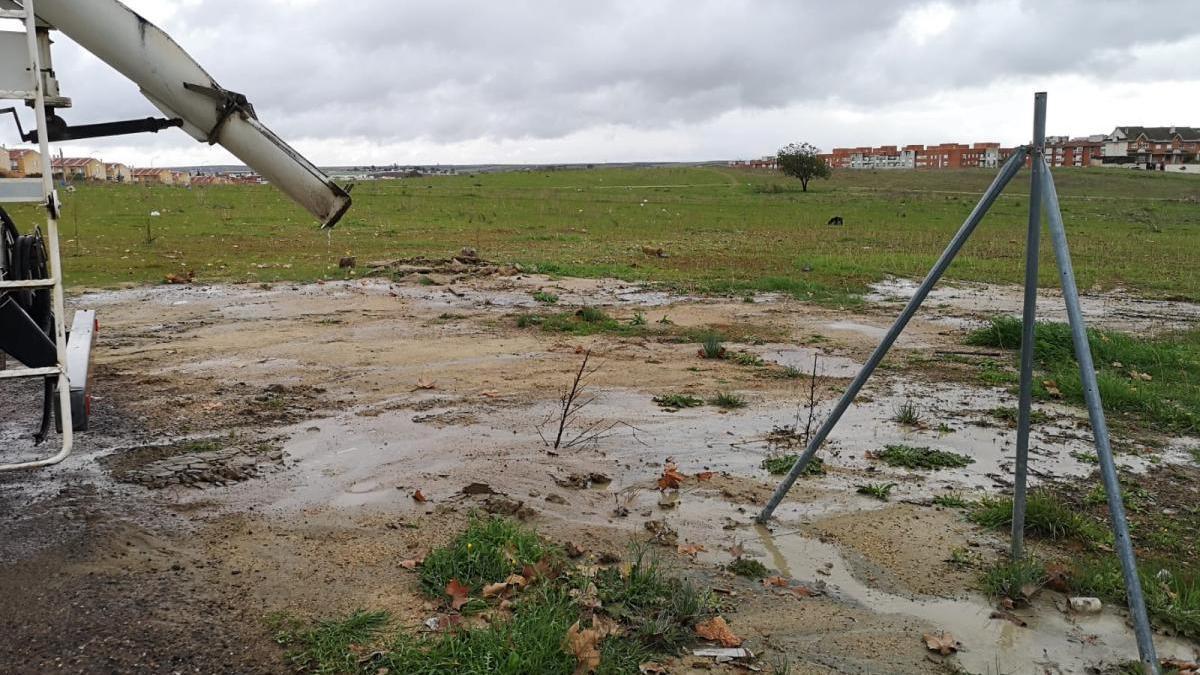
(836, 220)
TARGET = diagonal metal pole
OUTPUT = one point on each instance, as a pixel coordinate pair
(1033, 238)
(1091, 393)
(1010, 169)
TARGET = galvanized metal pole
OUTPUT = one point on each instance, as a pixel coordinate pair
(1091, 394)
(1028, 320)
(1010, 169)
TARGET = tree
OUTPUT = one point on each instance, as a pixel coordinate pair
(800, 160)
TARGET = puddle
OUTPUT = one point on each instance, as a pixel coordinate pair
(801, 358)
(876, 333)
(1113, 309)
(1052, 642)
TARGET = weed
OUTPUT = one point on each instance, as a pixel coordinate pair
(1009, 414)
(638, 319)
(961, 557)
(728, 400)
(1085, 457)
(545, 297)
(1045, 516)
(789, 373)
(879, 491)
(678, 401)
(951, 500)
(749, 568)
(666, 321)
(592, 315)
(907, 414)
(711, 347)
(943, 428)
(911, 457)
(1016, 579)
(781, 464)
(426, 281)
(658, 609)
(747, 359)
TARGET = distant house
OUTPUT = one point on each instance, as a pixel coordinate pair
(152, 176)
(206, 180)
(118, 173)
(181, 178)
(1152, 145)
(23, 163)
(78, 168)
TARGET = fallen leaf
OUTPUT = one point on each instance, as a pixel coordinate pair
(943, 643)
(689, 549)
(573, 550)
(652, 668)
(494, 590)
(584, 643)
(426, 384)
(542, 570)
(419, 498)
(803, 591)
(705, 475)
(670, 479)
(1052, 388)
(774, 581)
(718, 631)
(1058, 578)
(490, 393)
(737, 550)
(458, 594)
(516, 581)
(411, 564)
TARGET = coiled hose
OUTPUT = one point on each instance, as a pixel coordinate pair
(24, 260)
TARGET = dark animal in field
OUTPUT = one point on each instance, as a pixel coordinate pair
(836, 220)
(347, 263)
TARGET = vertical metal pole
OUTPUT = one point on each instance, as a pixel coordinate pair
(1091, 393)
(1006, 174)
(1028, 323)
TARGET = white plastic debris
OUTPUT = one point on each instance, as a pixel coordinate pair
(1086, 605)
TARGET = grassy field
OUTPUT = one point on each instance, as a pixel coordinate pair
(724, 230)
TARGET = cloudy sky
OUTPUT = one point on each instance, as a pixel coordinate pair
(514, 81)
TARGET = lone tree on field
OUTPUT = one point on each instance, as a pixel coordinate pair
(800, 160)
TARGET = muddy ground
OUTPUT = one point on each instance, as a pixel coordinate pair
(255, 450)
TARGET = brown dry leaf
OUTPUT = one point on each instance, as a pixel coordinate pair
(737, 550)
(180, 278)
(718, 631)
(802, 592)
(490, 393)
(689, 549)
(705, 475)
(652, 668)
(458, 593)
(1052, 388)
(493, 590)
(1058, 578)
(411, 564)
(419, 498)
(426, 384)
(943, 643)
(775, 581)
(670, 479)
(516, 581)
(584, 643)
(542, 570)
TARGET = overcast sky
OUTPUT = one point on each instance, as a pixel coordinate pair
(515, 81)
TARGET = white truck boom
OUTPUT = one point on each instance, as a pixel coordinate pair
(32, 317)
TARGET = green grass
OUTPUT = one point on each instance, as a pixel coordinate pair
(1014, 579)
(1172, 595)
(724, 231)
(1168, 402)
(728, 400)
(1009, 414)
(545, 297)
(678, 401)
(747, 359)
(585, 321)
(749, 568)
(880, 491)
(656, 612)
(951, 500)
(781, 464)
(911, 457)
(487, 552)
(711, 346)
(1046, 516)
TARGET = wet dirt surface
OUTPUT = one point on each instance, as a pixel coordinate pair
(255, 450)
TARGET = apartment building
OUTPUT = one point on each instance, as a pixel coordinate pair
(1151, 145)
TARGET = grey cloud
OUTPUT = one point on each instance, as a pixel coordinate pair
(456, 70)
